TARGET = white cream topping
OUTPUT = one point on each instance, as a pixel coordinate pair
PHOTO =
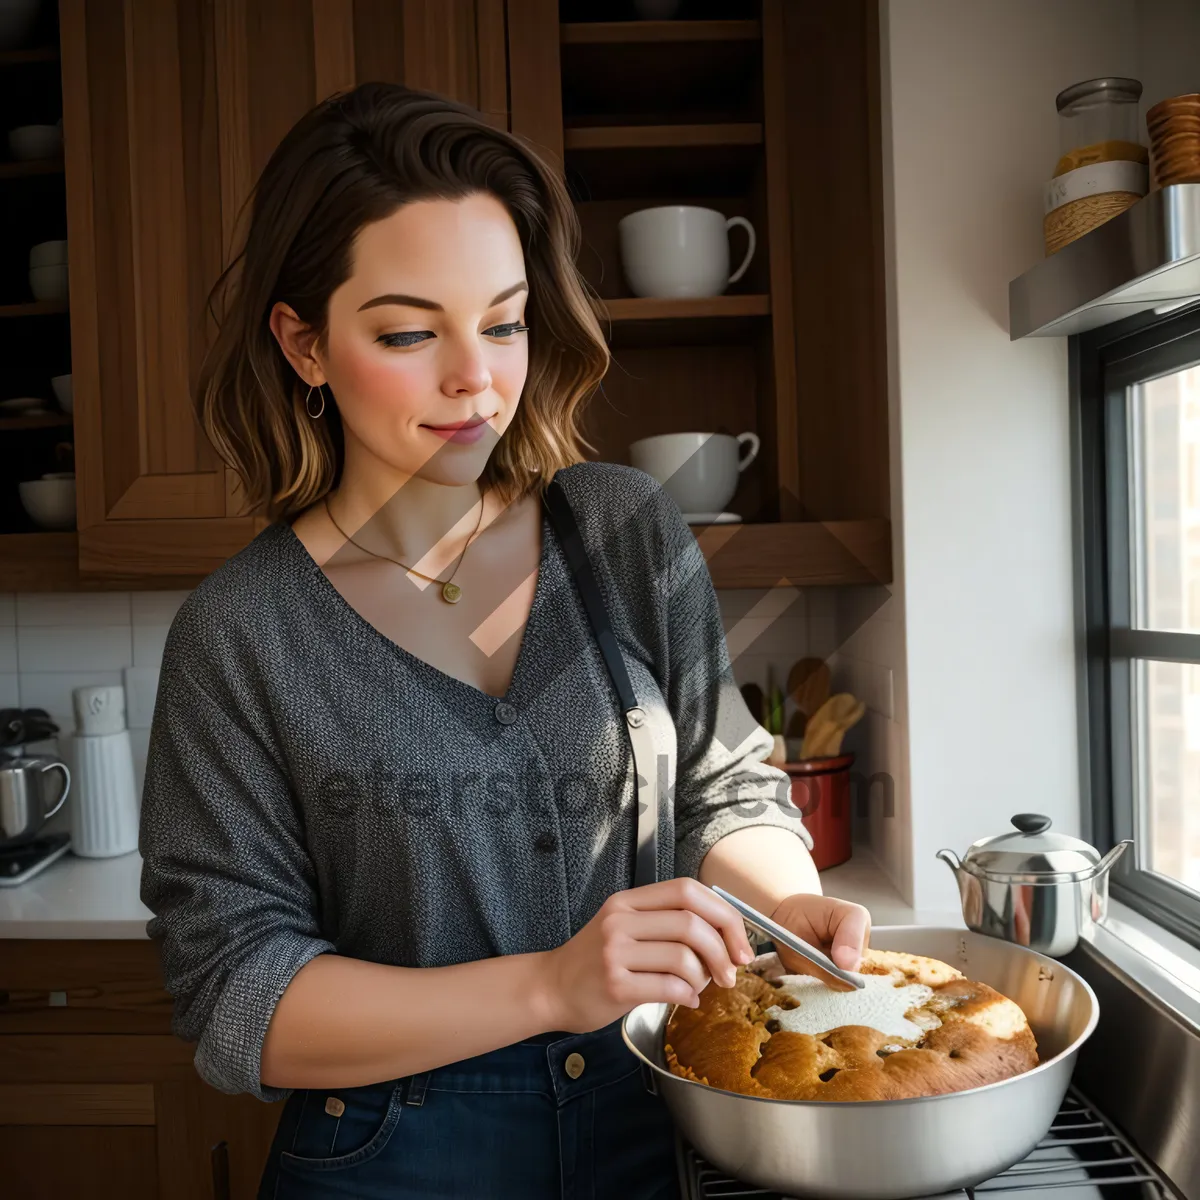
(880, 1005)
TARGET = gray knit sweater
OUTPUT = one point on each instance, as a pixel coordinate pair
(312, 787)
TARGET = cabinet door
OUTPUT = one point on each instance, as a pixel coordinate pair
(170, 110)
(53, 1162)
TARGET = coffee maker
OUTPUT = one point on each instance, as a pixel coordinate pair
(32, 789)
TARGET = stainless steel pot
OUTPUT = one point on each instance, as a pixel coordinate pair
(26, 802)
(1035, 887)
(891, 1149)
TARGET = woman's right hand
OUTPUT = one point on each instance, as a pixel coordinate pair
(662, 942)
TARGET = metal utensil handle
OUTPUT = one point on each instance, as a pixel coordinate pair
(785, 937)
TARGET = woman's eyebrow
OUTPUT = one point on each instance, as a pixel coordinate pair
(433, 305)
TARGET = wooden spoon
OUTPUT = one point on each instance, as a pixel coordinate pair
(808, 684)
(828, 725)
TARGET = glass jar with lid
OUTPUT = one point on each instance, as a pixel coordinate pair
(1098, 122)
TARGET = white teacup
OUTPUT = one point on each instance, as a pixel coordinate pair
(698, 470)
(680, 251)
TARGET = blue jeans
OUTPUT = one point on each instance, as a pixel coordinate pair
(509, 1123)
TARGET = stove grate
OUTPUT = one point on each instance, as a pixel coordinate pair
(1082, 1150)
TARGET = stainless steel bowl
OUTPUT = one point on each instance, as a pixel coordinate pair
(892, 1149)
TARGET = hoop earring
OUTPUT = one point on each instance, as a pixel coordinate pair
(308, 402)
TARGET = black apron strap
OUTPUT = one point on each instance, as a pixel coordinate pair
(647, 775)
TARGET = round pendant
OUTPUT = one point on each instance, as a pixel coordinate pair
(451, 592)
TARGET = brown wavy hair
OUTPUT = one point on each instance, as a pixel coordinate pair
(352, 160)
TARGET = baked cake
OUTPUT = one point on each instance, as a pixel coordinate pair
(918, 1028)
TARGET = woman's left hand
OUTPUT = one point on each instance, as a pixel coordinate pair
(841, 929)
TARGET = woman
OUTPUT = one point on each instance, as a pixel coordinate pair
(389, 802)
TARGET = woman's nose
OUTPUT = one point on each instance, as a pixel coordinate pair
(467, 373)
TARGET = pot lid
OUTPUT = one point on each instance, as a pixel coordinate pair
(1031, 849)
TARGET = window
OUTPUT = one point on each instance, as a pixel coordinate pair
(1136, 421)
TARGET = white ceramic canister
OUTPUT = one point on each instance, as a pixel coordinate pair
(104, 800)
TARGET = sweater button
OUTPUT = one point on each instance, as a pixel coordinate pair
(574, 1065)
(505, 713)
(546, 841)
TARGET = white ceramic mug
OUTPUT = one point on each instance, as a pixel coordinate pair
(698, 470)
(680, 250)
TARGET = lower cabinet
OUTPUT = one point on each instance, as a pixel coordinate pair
(96, 1096)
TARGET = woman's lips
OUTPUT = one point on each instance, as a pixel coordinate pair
(465, 431)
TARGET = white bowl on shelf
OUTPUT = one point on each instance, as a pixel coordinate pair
(50, 503)
(29, 142)
(49, 283)
(63, 392)
(17, 18)
(22, 406)
(48, 254)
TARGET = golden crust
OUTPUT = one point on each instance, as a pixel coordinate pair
(979, 1037)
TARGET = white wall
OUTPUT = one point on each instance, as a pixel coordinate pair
(1168, 49)
(985, 555)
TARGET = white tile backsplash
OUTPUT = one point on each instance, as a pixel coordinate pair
(156, 608)
(139, 740)
(141, 687)
(53, 643)
(8, 648)
(74, 647)
(778, 637)
(868, 681)
(148, 643)
(72, 608)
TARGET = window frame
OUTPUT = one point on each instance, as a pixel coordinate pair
(1103, 364)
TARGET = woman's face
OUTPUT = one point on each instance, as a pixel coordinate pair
(426, 355)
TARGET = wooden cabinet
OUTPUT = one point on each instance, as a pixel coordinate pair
(170, 111)
(767, 110)
(94, 1087)
(760, 108)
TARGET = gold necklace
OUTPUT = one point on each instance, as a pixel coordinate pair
(451, 592)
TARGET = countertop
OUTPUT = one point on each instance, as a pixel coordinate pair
(98, 898)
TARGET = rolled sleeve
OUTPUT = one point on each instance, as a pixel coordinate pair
(226, 874)
(723, 782)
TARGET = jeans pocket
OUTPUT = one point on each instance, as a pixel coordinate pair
(341, 1127)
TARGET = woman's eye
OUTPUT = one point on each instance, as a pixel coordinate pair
(507, 330)
(411, 338)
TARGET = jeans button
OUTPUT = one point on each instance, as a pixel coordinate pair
(505, 713)
(546, 841)
(574, 1065)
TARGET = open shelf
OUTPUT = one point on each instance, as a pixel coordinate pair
(33, 308)
(661, 174)
(800, 553)
(35, 166)
(37, 421)
(663, 73)
(36, 54)
(707, 321)
(657, 308)
(624, 33)
(655, 137)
